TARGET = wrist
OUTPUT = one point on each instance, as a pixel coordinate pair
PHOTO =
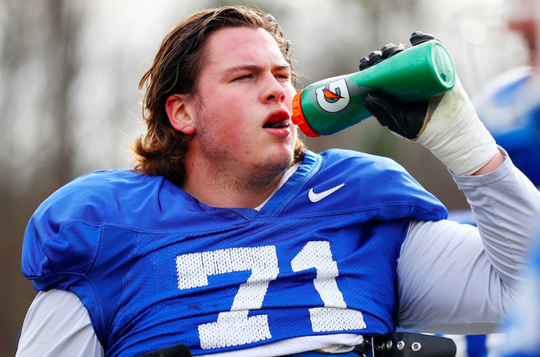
(493, 164)
(455, 134)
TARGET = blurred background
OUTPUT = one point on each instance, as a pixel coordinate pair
(69, 103)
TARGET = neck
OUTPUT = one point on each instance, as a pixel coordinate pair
(217, 186)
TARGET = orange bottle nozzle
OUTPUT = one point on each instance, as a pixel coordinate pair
(298, 117)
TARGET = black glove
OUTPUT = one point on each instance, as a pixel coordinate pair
(404, 119)
(446, 124)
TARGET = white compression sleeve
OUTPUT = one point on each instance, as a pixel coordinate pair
(57, 325)
(457, 279)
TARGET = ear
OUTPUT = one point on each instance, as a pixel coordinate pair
(180, 116)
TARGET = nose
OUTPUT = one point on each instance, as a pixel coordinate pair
(274, 91)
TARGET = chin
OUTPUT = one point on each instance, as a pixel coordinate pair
(277, 161)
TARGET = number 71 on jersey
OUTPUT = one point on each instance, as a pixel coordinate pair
(235, 327)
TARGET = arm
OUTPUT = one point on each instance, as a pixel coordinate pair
(473, 273)
(455, 278)
(57, 324)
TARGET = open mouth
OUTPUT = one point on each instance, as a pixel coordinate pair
(278, 123)
(278, 119)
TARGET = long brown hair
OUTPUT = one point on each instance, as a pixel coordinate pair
(175, 69)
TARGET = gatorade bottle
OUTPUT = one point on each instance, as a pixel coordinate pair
(334, 104)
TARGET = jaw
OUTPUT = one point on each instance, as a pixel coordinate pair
(244, 185)
(251, 169)
(249, 161)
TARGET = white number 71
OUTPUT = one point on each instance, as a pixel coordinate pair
(235, 327)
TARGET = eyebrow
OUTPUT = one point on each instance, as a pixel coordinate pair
(256, 68)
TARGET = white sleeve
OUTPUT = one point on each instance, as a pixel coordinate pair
(57, 325)
(457, 279)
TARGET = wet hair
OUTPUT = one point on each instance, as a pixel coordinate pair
(175, 70)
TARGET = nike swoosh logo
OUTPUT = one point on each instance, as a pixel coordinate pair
(316, 197)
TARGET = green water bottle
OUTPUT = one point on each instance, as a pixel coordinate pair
(334, 104)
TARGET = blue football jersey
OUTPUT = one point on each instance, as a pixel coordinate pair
(156, 268)
(509, 106)
(523, 330)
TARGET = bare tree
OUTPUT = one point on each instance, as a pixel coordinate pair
(38, 46)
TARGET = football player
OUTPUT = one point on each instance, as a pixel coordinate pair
(230, 238)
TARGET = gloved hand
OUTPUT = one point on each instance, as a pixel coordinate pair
(447, 124)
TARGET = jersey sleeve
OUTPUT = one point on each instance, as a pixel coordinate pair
(57, 250)
(64, 249)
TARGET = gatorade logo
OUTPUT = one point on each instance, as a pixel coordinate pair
(334, 96)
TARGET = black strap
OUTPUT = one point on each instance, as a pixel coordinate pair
(406, 344)
(397, 344)
(174, 351)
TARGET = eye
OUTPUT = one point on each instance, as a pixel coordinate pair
(283, 75)
(243, 78)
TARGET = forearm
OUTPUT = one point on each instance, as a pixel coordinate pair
(506, 208)
(493, 164)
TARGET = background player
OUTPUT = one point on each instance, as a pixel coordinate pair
(509, 106)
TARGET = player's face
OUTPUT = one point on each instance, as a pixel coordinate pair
(244, 96)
